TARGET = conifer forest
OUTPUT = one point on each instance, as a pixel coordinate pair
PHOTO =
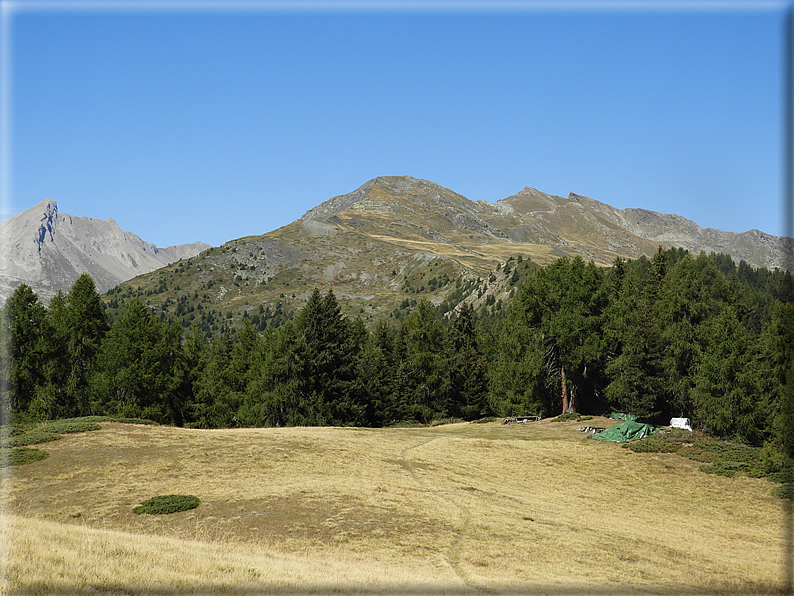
(675, 335)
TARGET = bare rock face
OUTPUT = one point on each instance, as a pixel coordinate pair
(49, 250)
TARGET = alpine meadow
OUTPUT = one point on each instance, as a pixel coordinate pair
(318, 452)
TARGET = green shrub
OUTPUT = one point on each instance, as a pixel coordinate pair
(33, 437)
(567, 416)
(772, 458)
(784, 491)
(20, 455)
(167, 504)
(108, 419)
(484, 420)
(724, 468)
(65, 427)
(442, 421)
(133, 421)
(785, 476)
(655, 443)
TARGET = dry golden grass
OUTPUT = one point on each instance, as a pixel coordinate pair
(456, 509)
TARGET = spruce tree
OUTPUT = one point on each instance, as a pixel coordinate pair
(136, 364)
(467, 369)
(86, 325)
(634, 368)
(424, 363)
(23, 346)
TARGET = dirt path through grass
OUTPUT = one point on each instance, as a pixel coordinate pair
(454, 552)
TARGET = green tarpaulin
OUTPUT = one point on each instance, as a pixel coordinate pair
(626, 431)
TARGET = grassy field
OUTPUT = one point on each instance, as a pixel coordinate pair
(456, 509)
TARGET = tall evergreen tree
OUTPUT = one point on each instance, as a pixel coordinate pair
(467, 369)
(778, 358)
(564, 304)
(328, 351)
(634, 369)
(136, 364)
(376, 376)
(22, 334)
(86, 326)
(725, 386)
(694, 291)
(424, 363)
(214, 404)
(274, 393)
(51, 398)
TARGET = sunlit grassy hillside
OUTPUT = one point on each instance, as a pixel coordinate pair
(457, 509)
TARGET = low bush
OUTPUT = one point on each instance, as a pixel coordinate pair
(66, 427)
(567, 416)
(484, 420)
(785, 476)
(655, 443)
(442, 421)
(20, 455)
(164, 504)
(724, 468)
(33, 437)
(784, 491)
(107, 419)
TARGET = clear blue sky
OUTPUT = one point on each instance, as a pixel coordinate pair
(204, 124)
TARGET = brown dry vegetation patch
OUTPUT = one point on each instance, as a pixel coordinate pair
(468, 506)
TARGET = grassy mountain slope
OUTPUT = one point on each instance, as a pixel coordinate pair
(388, 243)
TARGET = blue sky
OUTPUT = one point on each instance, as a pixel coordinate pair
(203, 122)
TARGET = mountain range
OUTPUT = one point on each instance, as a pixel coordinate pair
(396, 237)
(49, 250)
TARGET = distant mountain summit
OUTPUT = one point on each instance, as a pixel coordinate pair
(551, 225)
(49, 250)
(383, 247)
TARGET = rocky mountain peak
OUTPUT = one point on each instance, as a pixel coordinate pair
(49, 250)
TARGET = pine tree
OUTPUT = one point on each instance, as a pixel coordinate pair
(563, 304)
(725, 387)
(377, 378)
(329, 352)
(51, 399)
(778, 357)
(694, 291)
(213, 405)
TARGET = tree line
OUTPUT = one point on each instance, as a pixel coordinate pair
(675, 335)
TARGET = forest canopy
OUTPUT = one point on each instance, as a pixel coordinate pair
(675, 335)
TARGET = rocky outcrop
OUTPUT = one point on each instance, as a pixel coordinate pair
(49, 250)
